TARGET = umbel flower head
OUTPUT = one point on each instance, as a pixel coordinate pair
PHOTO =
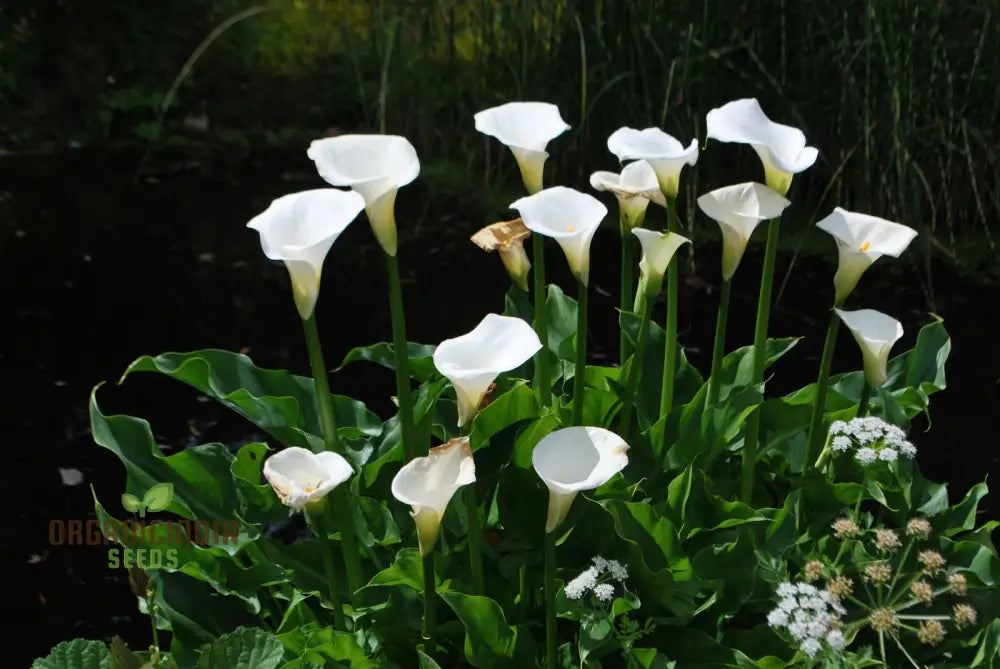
(658, 249)
(875, 333)
(574, 459)
(782, 148)
(374, 166)
(861, 240)
(299, 229)
(810, 616)
(472, 361)
(667, 155)
(739, 210)
(427, 484)
(871, 440)
(568, 216)
(301, 477)
(507, 239)
(526, 128)
(634, 188)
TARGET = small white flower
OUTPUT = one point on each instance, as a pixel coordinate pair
(786, 590)
(604, 592)
(841, 442)
(777, 618)
(866, 455)
(807, 588)
(888, 455)
(835, 639)
(600, 564)
(838, 427)
(579, 586)
(618, 571)
(908, 449)
(810, 647)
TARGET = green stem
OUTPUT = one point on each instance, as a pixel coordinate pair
(866, 396)
(550, 600)
(752, 438)
(430, 594)
(719, 349)
(670, 335)
(522, 590)
(348, 531)
(542, 384)
(320, 529)
(151, 608)
(475, 540)
(401, 353)
(826, 362)
(580, 374)
(635, 371)
(627, 281)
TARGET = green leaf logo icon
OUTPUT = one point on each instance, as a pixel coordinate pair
(158, 497)
(131, 503)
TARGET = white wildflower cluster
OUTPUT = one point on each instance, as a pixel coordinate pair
(872, 439)
(810, 615)
(595, 579)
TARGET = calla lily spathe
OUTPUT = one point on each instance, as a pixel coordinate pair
(526, 128)
(861, 240)
(665, 154)
(782, 148)
(507, 239)
(472, 361)
(375, 166)
(299, 229)
(428, 483)
(568, 216)
(738, 210)
(574, 459)
(875, 333)
(634, 188)
(301, 477)
(658, 249)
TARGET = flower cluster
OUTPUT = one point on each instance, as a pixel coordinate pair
(595, 579)
(872, 440)
(811, 616)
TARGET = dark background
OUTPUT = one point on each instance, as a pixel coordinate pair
(123, 218)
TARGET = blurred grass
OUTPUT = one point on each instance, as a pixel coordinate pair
(901, 96)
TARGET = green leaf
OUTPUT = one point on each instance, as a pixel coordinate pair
(489, 640)
(76, 654)
(406, 570)
(243, 648)
(158, 497)
(131, 503)
(122, 657)
(425, 661)
(421, 363)
(515, 405)
(562, 322)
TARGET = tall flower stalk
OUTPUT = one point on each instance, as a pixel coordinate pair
(783, 153)
(376, 166)
(861, 240)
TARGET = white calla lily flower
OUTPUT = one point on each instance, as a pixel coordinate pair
(299, 229)
(782, 148)
(474, 360)
(634, 188)
(526, 128)
(658, 249)
(568, 216)
(507, 239)
(875, 333)
(375, 166)
(301, 477)
(861, 240)
(738, 210)
(427, 484)
(666, 155)
(574, 459)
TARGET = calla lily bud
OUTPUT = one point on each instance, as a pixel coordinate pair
(665, 154)
(574, 459)
(374, 166)
(299, 229)
(507, 239)
(427, 484)
(861, 240)
(875, 333)
(472, 361)
(301, 477)
(568, 216)
(738, 210)
(634, 188)
(526, 128)
(658, 249)
(782, 148)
